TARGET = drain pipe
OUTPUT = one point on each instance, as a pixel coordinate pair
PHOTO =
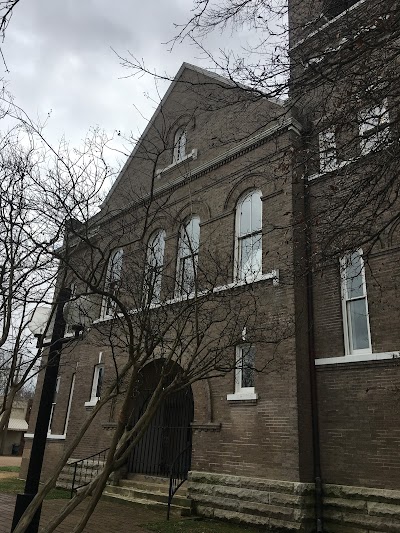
(313, 373)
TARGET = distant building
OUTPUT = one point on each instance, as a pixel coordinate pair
(17, 426)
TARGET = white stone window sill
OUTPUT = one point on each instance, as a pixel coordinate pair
(335, 168)
(242, 396)
(50, 436)
(92, 402)
(360, 358)
(273, 275)
(344, 164)
(192, 156)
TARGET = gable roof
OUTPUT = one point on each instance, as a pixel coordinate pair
(212, 75)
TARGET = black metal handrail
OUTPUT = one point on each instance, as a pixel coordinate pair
(85, 471)
(178, 473)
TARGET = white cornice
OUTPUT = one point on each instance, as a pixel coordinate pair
(289, 123)
(362, 358)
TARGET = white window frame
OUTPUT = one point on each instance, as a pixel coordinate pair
(188, 254)
(154, 267)
(374, 127)
(240, 274)
(242, 393)
(180, 141)
(347, 326)
(53, 404)
(97, 372)
(69, 405)
(112, 282)
(327, 150)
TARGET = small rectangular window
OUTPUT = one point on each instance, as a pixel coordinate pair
(244, 373)
(327, 150)
(355, 306)
(374, 128)
(53, 404)
(70, 396)
(97, 385)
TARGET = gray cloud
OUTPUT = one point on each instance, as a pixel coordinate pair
(60, 60)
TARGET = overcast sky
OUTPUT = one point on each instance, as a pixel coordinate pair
(60, 60)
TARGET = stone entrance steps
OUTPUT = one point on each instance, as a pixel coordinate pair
(86, 472)
(151, 491)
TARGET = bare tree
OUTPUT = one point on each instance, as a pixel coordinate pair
(33, 187)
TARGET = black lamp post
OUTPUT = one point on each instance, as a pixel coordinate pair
(43, 418)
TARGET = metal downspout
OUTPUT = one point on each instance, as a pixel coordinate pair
(313, 373)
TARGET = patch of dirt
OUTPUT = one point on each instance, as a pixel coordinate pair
(7, 475)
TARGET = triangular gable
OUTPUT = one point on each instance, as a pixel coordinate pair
(214, 77)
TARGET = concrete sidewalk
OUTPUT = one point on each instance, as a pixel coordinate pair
(10, 460)
(107, 518)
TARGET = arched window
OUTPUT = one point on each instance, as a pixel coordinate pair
(188, 252)
(113, 281)
(179, 145)
(154, 266)
(249, 237)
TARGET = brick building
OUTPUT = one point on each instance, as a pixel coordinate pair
(258, 217)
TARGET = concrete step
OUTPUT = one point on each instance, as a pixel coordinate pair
(176, 510)
(147, 478)
(152, 487)
(67, 473)
(146, 494)
(150, 494)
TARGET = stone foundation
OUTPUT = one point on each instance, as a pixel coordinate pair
(361, 510)
(279, 505)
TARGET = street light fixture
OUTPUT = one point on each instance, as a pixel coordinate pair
(38, 324)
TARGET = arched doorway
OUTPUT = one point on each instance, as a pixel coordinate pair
(169, 434)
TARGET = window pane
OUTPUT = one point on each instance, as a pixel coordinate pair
(354, 278)
(374, 127)
(99, 386)
(190, 238)
(188, 274)
(245, 257)
(194, 234)
(358, 324)
(245, 217)
(248, 360)
(250, 257)
(256, 212)
(257, 255)
(179, 145)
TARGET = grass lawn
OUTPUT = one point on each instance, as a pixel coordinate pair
(198, 526)
(16, 486)
(9, 468)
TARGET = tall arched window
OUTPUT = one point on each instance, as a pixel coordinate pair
(113, 281)
(249, 236)
(188, 252)
(179, 145)
(154, 266)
